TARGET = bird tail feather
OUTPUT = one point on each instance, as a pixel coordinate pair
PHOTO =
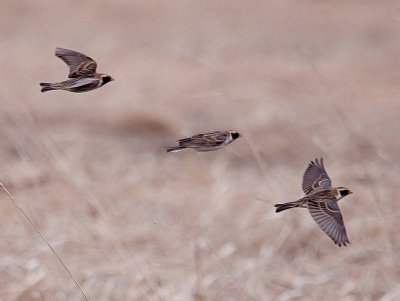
(46, 87)
(174, 149)
(285, 206)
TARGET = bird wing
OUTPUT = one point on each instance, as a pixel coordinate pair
(216, 137)
(315, 177)
(204, 140)
(82, 83)
(328, 217)
(79, 64)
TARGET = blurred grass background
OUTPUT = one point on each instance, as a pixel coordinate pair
(298, 80)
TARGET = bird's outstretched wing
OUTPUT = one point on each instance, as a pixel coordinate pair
(328, 217)
(315, 177)
(79, 64)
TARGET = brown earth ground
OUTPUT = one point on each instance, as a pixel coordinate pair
(299, 80)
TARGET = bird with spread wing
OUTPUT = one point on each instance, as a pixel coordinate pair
(321, 200)
(82, 73)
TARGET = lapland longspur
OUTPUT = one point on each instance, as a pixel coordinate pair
(321, 200)
(82, 73)
(205, 142)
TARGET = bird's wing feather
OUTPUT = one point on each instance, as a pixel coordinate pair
(219, 137)
(79, 64)
(328, 217)
(204, 140)
(83, 82)
(315, 177)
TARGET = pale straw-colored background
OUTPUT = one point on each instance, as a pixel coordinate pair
(299, 80)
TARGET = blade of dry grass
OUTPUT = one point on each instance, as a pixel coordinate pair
(14, 201)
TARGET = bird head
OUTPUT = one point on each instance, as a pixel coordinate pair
(341, 192)
(105, 79)
(234, 134)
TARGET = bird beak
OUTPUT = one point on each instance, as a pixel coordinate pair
(350, 192)
(112, 79)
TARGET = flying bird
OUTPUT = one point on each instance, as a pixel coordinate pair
(321, 200)
(82, 73)
(205, 142)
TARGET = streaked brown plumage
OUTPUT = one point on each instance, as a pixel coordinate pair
(82, 73)
(205, 142)
(321, 200)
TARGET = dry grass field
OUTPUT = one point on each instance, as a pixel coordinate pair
(298, 80)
